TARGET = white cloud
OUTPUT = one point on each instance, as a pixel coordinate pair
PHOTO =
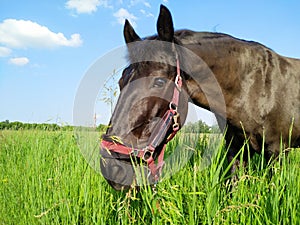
(4, 52)
(27, 34)
(136, 2)
(123, 14)
(165, 1)
(21, 61)
(147, 14)
(105, 4)
(86, 6)
(147, 4)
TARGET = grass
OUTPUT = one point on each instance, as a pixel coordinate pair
(44, 179)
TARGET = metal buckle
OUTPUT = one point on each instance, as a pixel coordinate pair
(175, 127)
(147, 154)
(173, 106)
(175, 119)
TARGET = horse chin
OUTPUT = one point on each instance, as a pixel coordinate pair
(118, 173)
(118, 187)
(122, 175)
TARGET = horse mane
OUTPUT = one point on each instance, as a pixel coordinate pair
(186, 36)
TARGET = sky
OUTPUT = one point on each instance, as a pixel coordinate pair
(46, 47)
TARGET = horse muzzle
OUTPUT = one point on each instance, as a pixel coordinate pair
(125, 167)
(119, 173)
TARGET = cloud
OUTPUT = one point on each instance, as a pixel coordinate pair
(147, 4)
(27, 34)
(165, 1)
(147, 14)
(4, 52)
(136, 2)
(21, 61)
(86, 6)
(123, 14)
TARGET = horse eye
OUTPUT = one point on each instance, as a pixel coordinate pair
(159, 82)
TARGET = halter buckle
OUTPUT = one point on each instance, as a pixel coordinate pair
(173, 107)
(147, 154)
(175, 119)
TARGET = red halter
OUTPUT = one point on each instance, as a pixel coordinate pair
(171, 116)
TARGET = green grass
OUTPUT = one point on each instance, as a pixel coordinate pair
(44, 179)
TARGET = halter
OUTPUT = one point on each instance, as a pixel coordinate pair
(146, 154)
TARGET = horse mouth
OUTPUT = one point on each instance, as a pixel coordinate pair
(121, 175)
(121, 171)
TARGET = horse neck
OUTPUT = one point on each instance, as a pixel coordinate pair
(233, 64)
(227, 58)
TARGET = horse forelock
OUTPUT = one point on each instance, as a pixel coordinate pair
(148, 55)
(150, 49)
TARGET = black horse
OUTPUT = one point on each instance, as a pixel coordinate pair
(253, 92)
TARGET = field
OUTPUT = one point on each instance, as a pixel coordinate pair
(44, 179)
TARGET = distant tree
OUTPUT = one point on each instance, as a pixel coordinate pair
(197, 127)
(4, 125)
(67, 128)
(16, 125)
(101, 128)
(214, 129)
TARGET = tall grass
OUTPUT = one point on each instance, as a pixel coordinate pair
(44, 179)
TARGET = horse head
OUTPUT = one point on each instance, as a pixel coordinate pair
(152, 106)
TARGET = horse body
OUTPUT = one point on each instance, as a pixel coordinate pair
(260, 89)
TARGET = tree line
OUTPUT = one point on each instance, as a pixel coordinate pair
(196, 127)
(16, 125)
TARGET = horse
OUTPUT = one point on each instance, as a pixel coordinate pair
(253, 92)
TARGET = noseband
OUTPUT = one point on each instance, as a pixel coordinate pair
(169, 119)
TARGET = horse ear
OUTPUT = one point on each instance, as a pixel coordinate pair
(164, 25)
(129, 33)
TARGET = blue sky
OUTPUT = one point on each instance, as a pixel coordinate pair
(47, 46)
